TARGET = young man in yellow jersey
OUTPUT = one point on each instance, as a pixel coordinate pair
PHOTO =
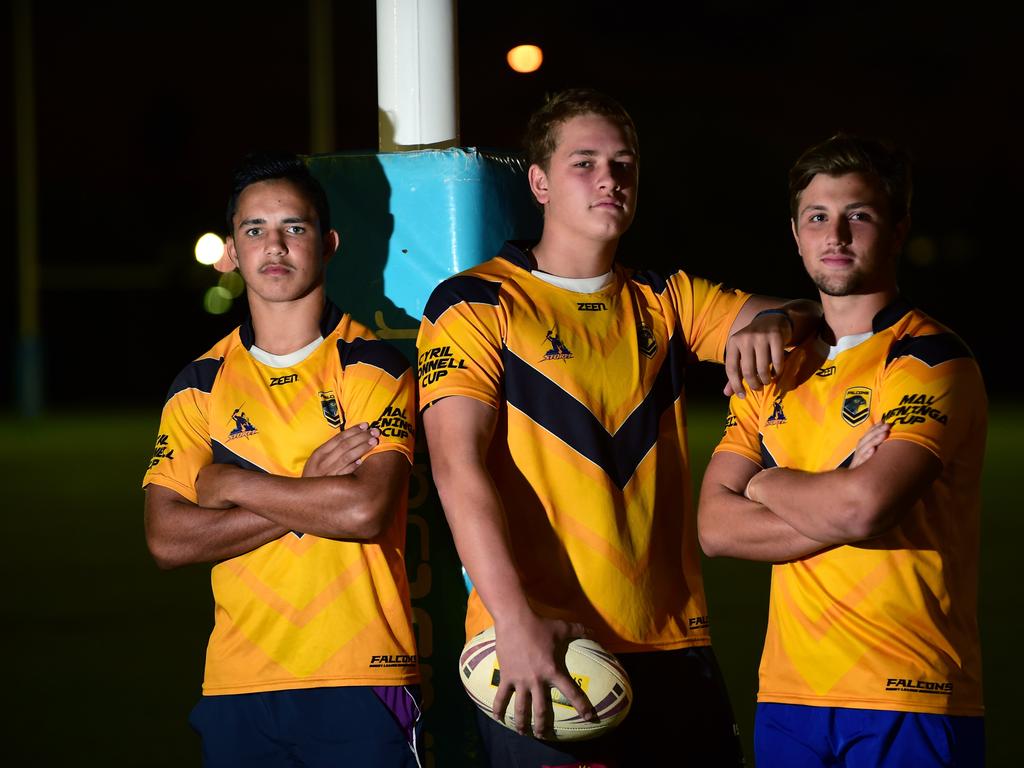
(872, 654)
(273, 464)
(552, 382)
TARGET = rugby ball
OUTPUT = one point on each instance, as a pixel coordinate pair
(596, 671)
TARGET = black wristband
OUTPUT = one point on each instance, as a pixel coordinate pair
(777, 311)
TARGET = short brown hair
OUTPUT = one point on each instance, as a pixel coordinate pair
(842, 154)
(542, 129)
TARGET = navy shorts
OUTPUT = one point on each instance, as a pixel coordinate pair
(794, 736)
(680, 711)
(314, 727)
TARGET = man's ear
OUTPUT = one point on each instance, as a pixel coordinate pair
(792, 226)
(331, 243)
(229, 250)
(538, 183)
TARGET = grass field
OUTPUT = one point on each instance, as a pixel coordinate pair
(105, 651)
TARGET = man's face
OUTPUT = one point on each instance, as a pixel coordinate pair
(845, 235)
(590, 185)
(276, 243)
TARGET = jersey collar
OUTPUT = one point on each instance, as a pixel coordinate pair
(329, 320)
(890, 314)
(518, 252)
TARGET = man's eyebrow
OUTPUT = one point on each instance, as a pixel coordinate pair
(286, 220)
(593, 152)
(847, 207)
(813, 207)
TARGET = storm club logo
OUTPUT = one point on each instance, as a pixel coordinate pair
(558, 350)
(243, 427)
(778, 415)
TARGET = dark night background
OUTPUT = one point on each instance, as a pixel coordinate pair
(143, 110)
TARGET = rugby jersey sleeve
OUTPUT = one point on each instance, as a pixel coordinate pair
(742, 427)
(460, 342)
(707, 311)
(183, 443)
(377, 387)
(932, 392)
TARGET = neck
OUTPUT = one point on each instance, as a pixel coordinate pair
(849, 315)
(566, 256)
(282, 327)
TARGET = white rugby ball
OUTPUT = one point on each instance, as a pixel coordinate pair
(594, 669)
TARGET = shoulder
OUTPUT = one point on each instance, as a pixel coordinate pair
(357, 345)
(655, 280)
(917, 336)
(202, 372)
(675, 281)
(481, 284)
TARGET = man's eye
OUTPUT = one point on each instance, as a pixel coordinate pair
(253, 231)
(583, 164)
(816, 217)
(295, 229)
(860, 216)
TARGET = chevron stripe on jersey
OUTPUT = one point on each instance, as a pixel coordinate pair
(889, 623)
(301, 611)
(589, 454)
(618, 453)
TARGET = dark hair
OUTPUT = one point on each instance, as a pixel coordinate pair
(542, 129)
(265, 166)
(842, 154)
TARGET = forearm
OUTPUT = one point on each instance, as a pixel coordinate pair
(831, 507)
(733, 526)
(477, 521)
(337, 507)
(805, 315)
(181, 533)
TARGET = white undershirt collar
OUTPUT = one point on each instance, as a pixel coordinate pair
(285, 361)
(848, 342)
(577, 284)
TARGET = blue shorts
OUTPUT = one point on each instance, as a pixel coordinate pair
(312, 727)
(680, 716)
(794, 736)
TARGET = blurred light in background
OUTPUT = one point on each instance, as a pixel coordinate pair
(209, 249)
(217, 300)
(525, 58)
(233, 283)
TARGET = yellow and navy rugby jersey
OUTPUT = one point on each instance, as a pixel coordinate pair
(888, 623)
(589, 454)
(301, 611)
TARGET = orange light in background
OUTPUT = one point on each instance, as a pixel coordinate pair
(209, 249)
(525, 58)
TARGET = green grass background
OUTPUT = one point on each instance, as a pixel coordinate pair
(106, 652)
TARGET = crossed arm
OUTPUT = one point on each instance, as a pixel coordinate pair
(779, 514)
(339, 496)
